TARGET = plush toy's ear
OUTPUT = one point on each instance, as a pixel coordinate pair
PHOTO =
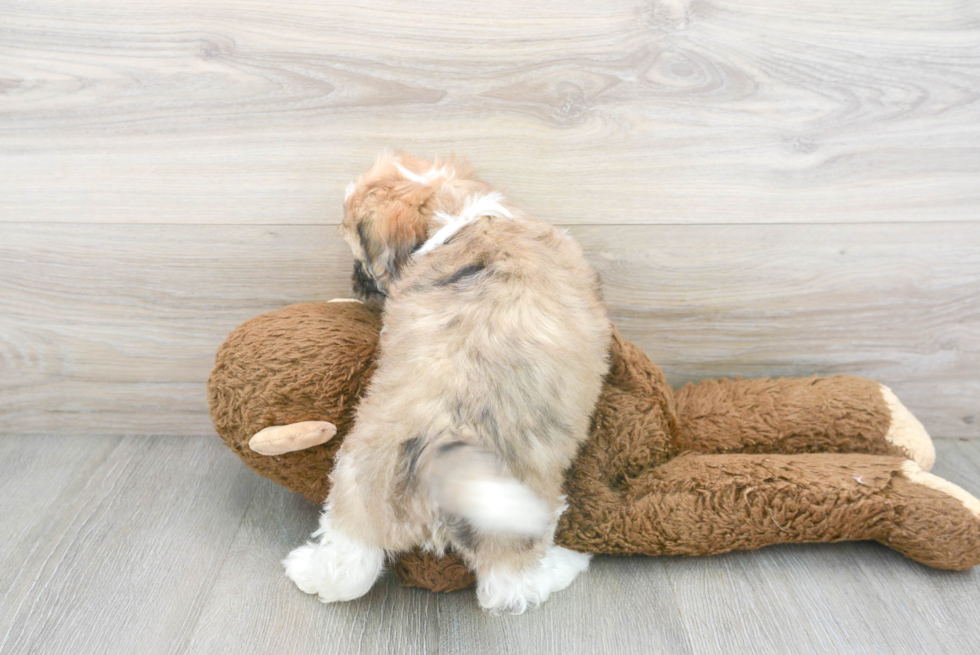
(279, 439)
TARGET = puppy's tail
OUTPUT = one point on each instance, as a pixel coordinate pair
(476, 486)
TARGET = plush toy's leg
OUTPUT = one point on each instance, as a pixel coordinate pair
(939, 522)
(705, 504)
(839, 414)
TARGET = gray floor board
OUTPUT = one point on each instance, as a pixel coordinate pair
(169, 545)
(254, 608)
(622, 605)
(124, 559)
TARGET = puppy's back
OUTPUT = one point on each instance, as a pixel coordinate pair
(502, 331)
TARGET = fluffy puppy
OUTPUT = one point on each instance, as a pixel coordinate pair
(493, 351)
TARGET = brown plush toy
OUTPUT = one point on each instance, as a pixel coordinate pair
(718, 466)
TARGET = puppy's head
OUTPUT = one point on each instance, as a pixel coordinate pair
(389, 212)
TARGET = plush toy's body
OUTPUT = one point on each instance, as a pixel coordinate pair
(722, 465)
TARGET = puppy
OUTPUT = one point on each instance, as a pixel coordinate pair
(491, 360)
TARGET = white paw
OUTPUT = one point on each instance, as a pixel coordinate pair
(302, 571)
(335, 569)
(500, 591)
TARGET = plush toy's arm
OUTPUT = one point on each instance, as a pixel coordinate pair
(839, 414)
(280, 439)
(705, 504)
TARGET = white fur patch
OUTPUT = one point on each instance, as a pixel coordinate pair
(500, 505)
(477, 206)
(336, 568)
(427, 177)
(474, 485)
(906, 432)
(350, 190)
(409, 175)
(514, 592)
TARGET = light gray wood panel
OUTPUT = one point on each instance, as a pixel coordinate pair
(114, 328)
(124, 561)
(802, 599)
(894, 303)
(602, 112)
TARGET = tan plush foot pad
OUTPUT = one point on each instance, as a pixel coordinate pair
(906, 432)
(915, 474)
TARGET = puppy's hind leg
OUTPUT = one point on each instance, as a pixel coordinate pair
(337, 564)
(334, 566)
(502, 586)
(503, 530)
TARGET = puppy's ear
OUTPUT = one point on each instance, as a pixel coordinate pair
(404, 226)
(396, 231)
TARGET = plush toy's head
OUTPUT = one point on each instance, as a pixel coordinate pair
(261, 379)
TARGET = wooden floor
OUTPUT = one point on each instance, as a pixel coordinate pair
(169, 545)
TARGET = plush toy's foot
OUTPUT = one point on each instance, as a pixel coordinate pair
(906, 432)
(514, 592)
(335, 569)
(938, 522)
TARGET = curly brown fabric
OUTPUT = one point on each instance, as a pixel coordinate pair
(766, 416)
(723, 465)
(305, 362)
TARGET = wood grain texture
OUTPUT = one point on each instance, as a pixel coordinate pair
(161, 545)
(280, 618)
(35, 475)
(112, 329)
(670, 111)
(124, 559)
(768, 188)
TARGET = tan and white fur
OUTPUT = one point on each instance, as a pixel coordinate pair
(494, 347)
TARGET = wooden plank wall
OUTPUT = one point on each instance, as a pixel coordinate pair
(768, 187)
